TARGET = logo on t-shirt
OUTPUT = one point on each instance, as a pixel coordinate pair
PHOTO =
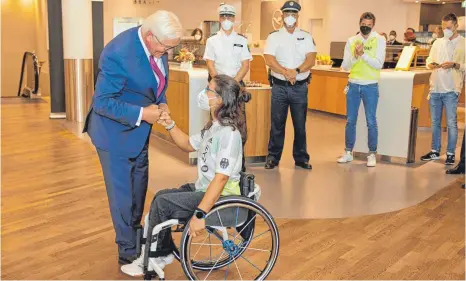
(224, 163)
(204, 168)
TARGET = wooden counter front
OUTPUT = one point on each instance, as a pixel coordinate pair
(178, 103)
(258, 119)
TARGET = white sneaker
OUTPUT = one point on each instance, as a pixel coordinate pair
(346, 158)
(371, 160)
(136, 267)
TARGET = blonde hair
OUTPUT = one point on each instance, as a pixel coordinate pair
(164, 25)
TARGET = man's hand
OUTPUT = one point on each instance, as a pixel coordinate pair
(151, 113)
(359, 50)
(290, 75)
(164, 107)
(447, 65)
(434, 66)
(165, 119)
(196, 226)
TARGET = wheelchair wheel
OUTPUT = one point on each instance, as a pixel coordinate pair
(241, 241)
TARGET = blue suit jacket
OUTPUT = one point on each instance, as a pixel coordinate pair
(125, 83)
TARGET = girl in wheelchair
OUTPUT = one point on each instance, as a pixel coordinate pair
(220, 152)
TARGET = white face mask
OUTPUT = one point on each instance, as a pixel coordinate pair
(197, 37)
(448, 33)
(203, 100)
(392, 37)
(290, 21)
(227, 25)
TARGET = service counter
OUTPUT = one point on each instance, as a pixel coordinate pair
(399, 93)
(183, 88)
(326, 90)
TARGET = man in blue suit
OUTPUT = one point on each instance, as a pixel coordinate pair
(129, 97)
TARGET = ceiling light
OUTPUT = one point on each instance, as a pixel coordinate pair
(417, 1)
(443, 2)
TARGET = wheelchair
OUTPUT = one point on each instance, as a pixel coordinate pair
(240, 241)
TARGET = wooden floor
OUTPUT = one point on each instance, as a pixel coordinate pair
(56, 222)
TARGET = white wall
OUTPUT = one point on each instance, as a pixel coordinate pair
(341, 17)
(190, 12)
(390, 15)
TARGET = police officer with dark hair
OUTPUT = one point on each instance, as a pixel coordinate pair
(290, 54)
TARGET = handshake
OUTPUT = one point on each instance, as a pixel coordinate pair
(157, 114)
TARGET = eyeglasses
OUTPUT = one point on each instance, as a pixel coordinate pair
(166, 48)
(210, 90)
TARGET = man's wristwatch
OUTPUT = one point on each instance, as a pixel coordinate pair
(298, 70)
(200, 214)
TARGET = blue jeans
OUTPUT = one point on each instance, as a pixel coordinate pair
(369, 94)
(450, 101)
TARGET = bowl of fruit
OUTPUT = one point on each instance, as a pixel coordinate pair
(324, 62)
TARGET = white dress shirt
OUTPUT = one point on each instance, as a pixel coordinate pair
(159, 63)
(446, 50)
(227, 52)
(349, 60)
(290, 50)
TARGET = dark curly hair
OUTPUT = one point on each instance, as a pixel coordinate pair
(232, 110)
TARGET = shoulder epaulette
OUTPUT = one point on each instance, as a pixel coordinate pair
(273, 31)
(213, 34)
(242, 35)
(305, 31)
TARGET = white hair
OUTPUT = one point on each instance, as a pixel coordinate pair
(163, 24)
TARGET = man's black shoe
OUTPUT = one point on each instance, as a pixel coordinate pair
(125, 260)
(269, 165)
(458, 170)
(306, 166)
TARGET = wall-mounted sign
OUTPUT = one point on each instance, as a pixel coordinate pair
(122, 24)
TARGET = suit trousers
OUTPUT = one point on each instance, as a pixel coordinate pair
(126, 182)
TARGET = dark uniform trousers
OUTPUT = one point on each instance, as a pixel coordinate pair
(294, 97)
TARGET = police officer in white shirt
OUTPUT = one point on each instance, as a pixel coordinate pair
(290, 54)
(226, 51)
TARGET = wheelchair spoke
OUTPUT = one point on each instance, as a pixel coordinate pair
(246, 225)
(260, 234)
(250, 263)
(207, 244)
(226, 272)
(261, 250)
(241, 277)
(205, 261)
(236, 223)
(221, 223)
(210, 249)
(203, 242)
(214, 265)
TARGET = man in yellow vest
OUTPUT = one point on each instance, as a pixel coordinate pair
(364, 57)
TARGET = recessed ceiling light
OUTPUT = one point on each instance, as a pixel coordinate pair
(417, 1)
(443, 2)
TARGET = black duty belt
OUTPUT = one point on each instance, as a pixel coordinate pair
(276, 81)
